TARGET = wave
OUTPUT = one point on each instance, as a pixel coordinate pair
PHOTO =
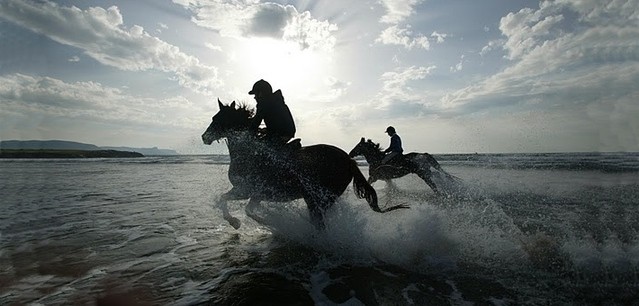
(606, 162)
(596, 161)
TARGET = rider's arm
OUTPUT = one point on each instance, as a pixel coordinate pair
(394, 145)
(257, 119)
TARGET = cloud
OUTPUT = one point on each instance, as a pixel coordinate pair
(459, 66)
(213, 47)
(394, 35)
(103, 37)
(246, 19)
(526, 29)
(397, 96)
(333, 90)
(74, 59)
(24, 94)
(576, 59)
(439, 37)
(398, 10)
(337, 87)
(565, 52)
(396, 99)
(492, 45)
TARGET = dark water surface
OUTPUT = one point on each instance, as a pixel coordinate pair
(533, 229)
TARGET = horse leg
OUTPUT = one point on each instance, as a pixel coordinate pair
(223, 201)
(253, 204)
(391, 190)
(372, 177)
(317, 217)
(391, 186)
(318, 203)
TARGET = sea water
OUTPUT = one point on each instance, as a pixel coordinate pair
(513, 229)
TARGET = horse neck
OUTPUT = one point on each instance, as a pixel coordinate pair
(239, 145)
(373, 156)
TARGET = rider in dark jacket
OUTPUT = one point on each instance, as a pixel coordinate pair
(280, 127)
(395, 149)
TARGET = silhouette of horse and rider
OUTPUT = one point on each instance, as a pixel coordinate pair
(391, 163)
(265, 166)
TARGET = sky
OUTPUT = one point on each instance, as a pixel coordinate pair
(492, 76)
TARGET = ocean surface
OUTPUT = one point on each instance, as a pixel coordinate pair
(514, 229)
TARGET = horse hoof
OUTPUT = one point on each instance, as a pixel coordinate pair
(234, 222)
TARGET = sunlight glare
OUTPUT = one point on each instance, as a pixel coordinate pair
(285, 65)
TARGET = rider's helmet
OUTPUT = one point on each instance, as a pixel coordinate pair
(390, 129)
(261, 86)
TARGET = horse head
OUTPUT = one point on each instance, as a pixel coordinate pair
(227, 121)
(358, 149)
(364, 147)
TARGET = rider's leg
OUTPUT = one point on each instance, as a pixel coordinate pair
(388, 157)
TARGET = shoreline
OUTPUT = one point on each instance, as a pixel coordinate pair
(19, 153)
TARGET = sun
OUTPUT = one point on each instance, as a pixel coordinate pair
(285, 65)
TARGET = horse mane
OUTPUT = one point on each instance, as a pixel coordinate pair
(246, 109)
(376, 145)
(242, 107)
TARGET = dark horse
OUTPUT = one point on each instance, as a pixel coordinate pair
(417, 163)
(318, 173)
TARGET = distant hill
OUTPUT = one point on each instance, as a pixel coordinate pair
(47, 153)
(145, 151)
(46, 145)
(71, 145)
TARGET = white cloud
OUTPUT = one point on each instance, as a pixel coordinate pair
(162, 27)
(398, 10)
(439, 37)
(103, 36)
(213, 47)
(574, 57)
(550, 57)
(74, 59)
(527, 29)
(397, 95)
(459, 66)
(242, 19)
(91, 101)
(395, 35)
(398, 79)
(310, 33)
(492, 45)
(337, 87)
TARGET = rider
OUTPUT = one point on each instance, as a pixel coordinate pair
(280, 127)
(395, 148)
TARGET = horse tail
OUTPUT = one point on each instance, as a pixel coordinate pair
(439, 168)
(364, 190)
(433, 162)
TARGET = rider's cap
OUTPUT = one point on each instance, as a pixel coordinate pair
(261, 86)
(390, 129)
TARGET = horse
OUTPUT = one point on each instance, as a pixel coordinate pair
(260, 172)
(417, 163)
